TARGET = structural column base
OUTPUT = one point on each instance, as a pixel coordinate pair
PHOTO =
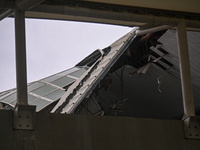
(192, 127)
(24, 117)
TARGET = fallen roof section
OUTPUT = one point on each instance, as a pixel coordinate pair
(88, 81)
(135, 76)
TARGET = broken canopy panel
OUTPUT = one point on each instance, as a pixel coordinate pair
(87, 82)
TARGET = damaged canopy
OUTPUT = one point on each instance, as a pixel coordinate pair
(110, 81)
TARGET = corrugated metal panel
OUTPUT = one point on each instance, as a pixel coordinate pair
(143, 95)
(169, 43)
(145, 100)
(45, 91)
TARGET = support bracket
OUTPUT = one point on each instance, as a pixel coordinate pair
(192, 127)
(24, 117)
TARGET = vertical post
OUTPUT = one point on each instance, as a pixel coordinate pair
(20, 42)
(188, 102)
(24, 114)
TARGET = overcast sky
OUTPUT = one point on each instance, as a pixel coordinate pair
(52, 46)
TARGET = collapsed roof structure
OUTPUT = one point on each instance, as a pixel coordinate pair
(151, 72)
(137, 75)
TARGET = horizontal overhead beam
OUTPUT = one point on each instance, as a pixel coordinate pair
(106, 16)
(191, 6)
(126, 12)
(53, 16)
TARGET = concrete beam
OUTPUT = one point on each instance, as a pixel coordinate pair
(57, 16)
(191, 6)
(106, 16)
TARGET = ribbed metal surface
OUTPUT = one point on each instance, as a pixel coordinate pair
(144, 98)
(98, 71)
(169, 43)
(143, 95)
(45, 91)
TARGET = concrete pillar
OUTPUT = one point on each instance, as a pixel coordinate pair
(20, 41)
(188, 102)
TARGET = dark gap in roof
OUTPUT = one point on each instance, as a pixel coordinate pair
(93, 57)
(162, 50)
(162, 59)
(89, 60)
(138, 52)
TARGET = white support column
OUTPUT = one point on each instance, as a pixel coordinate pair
(24, 114)
(188, 102)
(20, 42)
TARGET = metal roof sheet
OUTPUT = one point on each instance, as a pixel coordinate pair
(45, 91)
(84, 86)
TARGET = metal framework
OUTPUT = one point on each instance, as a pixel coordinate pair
(82, 13)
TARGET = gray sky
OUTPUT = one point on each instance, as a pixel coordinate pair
(52, 46)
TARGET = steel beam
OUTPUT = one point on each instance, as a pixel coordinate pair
(151, 30)
(6, 13)
(20, 41)
(184, 62)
